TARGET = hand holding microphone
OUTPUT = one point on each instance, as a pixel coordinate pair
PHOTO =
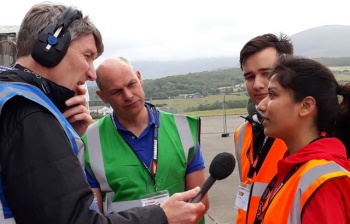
(221, 167)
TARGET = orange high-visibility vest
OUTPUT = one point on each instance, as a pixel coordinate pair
(288, 203)
(243, 138)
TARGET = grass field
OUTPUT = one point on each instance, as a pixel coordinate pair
(179, 105)
(340, 68)
(342, 77)
(195, 102)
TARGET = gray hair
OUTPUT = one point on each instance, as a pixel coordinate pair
(43, 14)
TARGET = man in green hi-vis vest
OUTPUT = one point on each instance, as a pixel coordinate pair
(139, 155)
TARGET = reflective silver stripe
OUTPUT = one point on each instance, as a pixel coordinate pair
(34, 97)
(305, 182)
(3, 220)
(81, 148)
(8, 221)
(9, 89)
(185, 133)
(258, 189)
(96, 158)
(110, 206)
(239, 146)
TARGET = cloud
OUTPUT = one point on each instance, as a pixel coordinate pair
(185, 29)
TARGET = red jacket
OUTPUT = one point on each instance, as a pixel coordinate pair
(331, 203)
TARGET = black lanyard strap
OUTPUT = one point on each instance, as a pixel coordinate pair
(260, 158)
(268, 190)
(155, 141)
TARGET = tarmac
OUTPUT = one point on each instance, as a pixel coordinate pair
(222, 194)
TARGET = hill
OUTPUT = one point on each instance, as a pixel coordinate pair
(329, 41)
(159, 69)
(320, 42)
(324, 41)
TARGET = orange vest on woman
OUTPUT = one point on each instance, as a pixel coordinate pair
(289, 201)
(243, 138)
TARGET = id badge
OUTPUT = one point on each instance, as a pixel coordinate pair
(242, 197)
(156, 198)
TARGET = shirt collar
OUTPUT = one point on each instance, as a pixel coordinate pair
(152, 119)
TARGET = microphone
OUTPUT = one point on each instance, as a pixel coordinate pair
(221, 167)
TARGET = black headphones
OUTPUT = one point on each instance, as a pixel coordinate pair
(53, 42)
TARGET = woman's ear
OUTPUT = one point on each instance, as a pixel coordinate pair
(308, 106)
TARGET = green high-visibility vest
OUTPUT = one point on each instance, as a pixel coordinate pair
(123, 178)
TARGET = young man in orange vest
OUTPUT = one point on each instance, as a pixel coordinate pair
(257, 155)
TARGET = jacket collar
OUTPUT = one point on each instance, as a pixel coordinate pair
(57, 94)
(328, 148)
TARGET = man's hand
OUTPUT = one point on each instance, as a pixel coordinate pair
(77, 112)
(177, 210)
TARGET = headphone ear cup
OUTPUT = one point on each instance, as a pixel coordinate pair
(59, 46)
(53, 42)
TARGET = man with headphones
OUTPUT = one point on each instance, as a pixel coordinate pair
(43, 114)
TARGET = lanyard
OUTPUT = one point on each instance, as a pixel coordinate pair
(155, 141)
(267, 194)
(253, 166)
(152, 170)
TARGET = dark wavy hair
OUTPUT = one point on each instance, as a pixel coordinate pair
(282, 44)
(307, 77)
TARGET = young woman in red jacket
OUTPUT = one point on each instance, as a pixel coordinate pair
(309, 111)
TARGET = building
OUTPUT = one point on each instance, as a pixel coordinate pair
(8, 38)
(100, 110)
(191, 95)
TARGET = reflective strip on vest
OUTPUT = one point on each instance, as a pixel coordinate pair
(185, 133)
(308, 178)
(109, 206)
(239, 146)
(33, 93)
(6, 216)
(9, 90)
(94, 142)
(258, 189)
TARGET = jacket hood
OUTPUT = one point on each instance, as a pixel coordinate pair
(57, 94)
(330, 149)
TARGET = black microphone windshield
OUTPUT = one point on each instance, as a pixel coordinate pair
(222, 165)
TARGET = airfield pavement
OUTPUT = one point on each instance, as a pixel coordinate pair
(222, 194)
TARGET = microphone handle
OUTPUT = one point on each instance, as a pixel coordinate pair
(204, 189)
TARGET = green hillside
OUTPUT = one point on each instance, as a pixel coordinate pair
(226, 81)
(205, 83)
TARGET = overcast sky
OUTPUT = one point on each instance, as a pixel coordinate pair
(185, 29)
